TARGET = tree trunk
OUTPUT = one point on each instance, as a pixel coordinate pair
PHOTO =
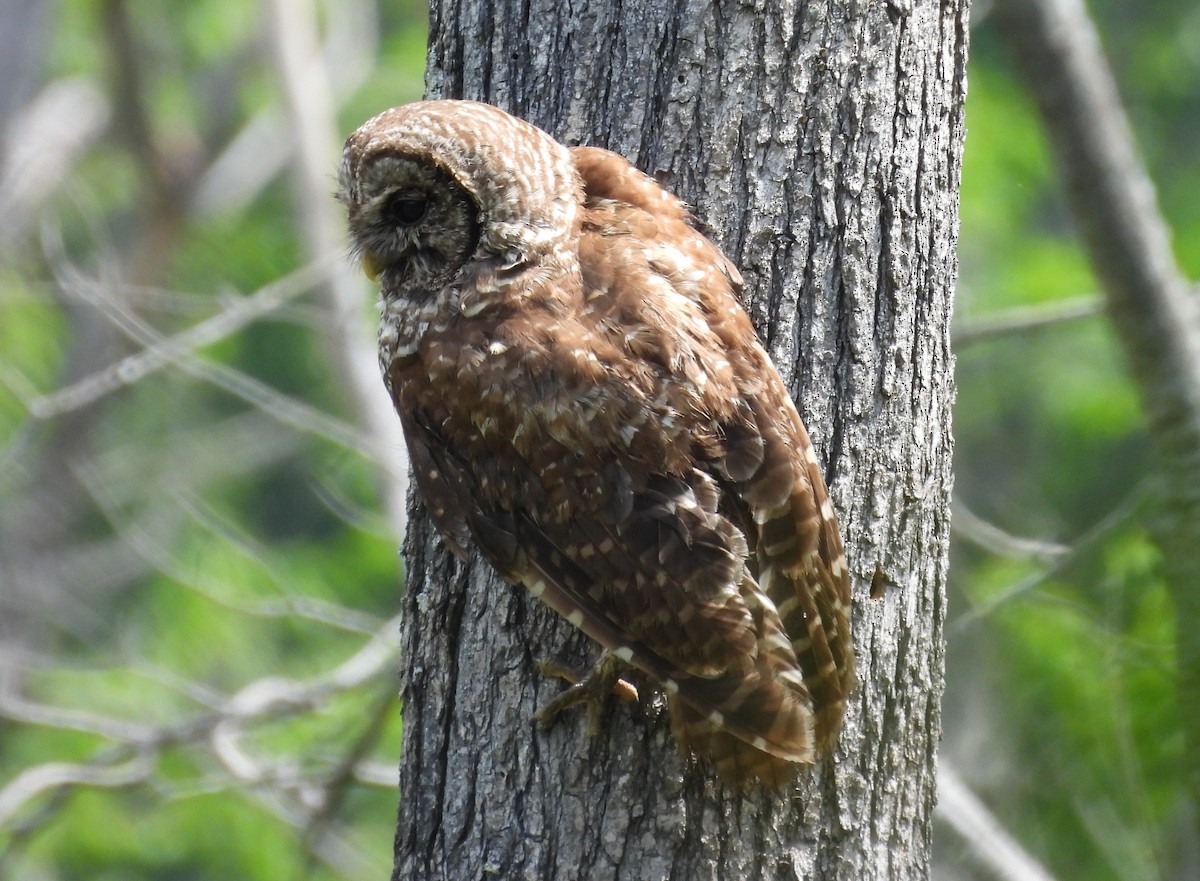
(821, 141)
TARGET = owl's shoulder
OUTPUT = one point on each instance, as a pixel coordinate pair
(638, 237)
(608, 176)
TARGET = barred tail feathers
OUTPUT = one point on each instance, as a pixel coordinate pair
(756, 723)
(751, 727)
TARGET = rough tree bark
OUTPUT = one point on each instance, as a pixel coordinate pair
(822, 142)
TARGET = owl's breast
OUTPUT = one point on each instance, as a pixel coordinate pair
(479, 296)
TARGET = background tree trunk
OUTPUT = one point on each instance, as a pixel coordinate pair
(1154, 309)
(822, 143)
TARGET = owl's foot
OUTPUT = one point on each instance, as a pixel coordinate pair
(596, 689)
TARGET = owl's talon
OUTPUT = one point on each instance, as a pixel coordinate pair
(596, 690)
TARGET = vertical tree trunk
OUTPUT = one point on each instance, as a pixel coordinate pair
(822, 143)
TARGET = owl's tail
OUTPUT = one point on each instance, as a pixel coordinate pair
(754, 723)
(750, 727)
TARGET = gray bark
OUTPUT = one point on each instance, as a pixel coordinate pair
(822, 143)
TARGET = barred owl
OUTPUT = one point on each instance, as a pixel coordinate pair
(587, 405)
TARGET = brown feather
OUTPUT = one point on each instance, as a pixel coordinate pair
(587, 404)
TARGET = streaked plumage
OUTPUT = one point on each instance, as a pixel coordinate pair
(587, 404)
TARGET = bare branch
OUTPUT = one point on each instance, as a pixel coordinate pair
(1024, 319)
(1129, 509)
(19, 710)
(235, 316)
(378, 774)
(44, 142)
(347, 770)
(263, 147)
(286, 410)
(158, 554)
(168, 172)
(34, 781)
(262, 700)
(273, 696)
(967, 524)
(990, 844)
(1155, 313)
(305, 82)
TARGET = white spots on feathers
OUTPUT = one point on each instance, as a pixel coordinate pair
(607, 422)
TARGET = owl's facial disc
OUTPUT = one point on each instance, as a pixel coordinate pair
(416, 226)
(402, 209)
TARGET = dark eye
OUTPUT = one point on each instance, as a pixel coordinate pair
(406, 210)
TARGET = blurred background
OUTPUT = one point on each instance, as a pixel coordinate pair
(202, 485)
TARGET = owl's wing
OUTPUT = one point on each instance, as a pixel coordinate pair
(660, 580)
(655, 558)
(753, 719)
(445, 484)
(760, 456)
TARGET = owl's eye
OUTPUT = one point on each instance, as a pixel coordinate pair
(406, 210)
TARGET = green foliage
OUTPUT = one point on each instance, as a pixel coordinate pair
(30, 336)
(199, 572)
(1090, 651)
(184, 550)
(1050, 446)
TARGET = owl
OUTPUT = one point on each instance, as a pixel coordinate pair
(587, 405)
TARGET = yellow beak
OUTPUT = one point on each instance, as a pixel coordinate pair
(371, 266)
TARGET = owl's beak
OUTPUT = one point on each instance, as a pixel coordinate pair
(371, 266)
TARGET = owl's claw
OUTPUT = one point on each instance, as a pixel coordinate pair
(596, 689)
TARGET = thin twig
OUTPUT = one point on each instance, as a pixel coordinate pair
(264, 699)
(336, 783)
(287, 410)
(1024, 319)
(26, 712)
(967, 524)
(34, 781)
(990, 844)
(1123, 513)
(235, 316)
(161, 558)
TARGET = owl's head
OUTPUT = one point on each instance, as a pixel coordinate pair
(435, 186)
